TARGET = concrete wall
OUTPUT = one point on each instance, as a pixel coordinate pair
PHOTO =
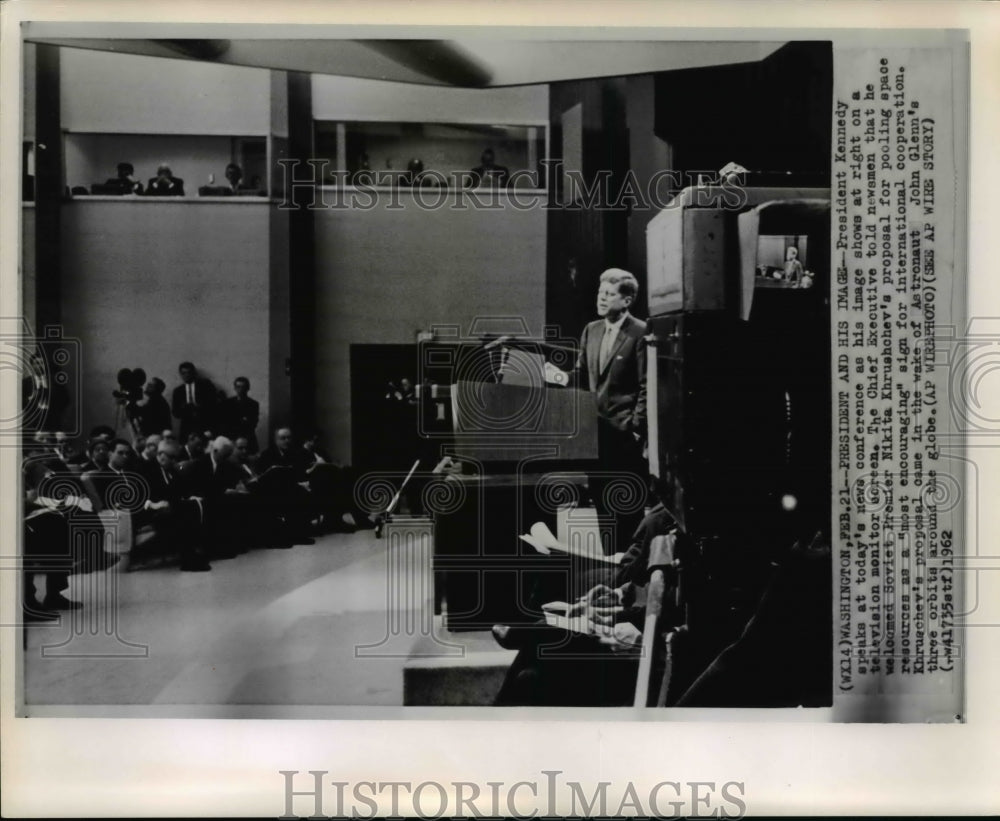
(353, 98)
(383, 274)
(152, 283)
(111, 93)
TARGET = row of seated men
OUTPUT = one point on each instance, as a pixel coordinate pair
(759, 636)
(165, 184)
(203, 500)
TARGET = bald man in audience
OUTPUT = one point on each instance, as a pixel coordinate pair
(176, 516)
(215, 479)
(148, 453)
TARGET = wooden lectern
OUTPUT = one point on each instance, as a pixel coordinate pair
(525, 447)
(512, 423)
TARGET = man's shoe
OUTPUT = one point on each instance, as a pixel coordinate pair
(57, 601)
(304, 540)
(363, 522)
(508, 637)
(340, 526)
(280, 546)
(519, 636)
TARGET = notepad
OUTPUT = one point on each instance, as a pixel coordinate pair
(544, 541)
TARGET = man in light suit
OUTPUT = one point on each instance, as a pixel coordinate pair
(612, 365)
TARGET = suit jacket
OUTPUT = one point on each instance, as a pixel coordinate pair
(110, 490)
(621, 386)
(154, 416)
(124, 186)
(239, 417)
(160, 489)
(208, 481)
(296, 458)
(205, 397)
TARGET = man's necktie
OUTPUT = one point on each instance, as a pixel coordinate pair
(605, 351)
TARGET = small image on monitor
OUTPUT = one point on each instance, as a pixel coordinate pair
(782, 261)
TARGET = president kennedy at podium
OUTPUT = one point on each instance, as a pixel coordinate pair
(612, 365)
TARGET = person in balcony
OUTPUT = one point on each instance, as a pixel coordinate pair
(234, 178)
(125, 182)
(165, 184)
(488, 174)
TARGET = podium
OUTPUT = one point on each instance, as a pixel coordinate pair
(498, 423)
(529, 446)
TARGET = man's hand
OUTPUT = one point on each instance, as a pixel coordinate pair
(624, 637)
(603, 596)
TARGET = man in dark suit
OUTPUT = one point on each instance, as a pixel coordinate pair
(154, 412)
(124, 182)
(194, 401)
(239, 414)
(176, 516)
(283, 469)
(112, 486)
(555, 667)
(214, 479)
(488, 173)
(612, 365)
(262, 514)
(165, 184)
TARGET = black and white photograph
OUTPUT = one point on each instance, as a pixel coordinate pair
(515, 376)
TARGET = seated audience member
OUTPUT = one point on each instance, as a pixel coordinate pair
(217, 480)
(194, 401)
(234, 186)
(283, 476)
(97, 453)
(46, 535)
(332, 486)
(47, 548)
(153, 409)
(149, 450)
(165, 184)
(176, 516)
(234, 178)
(263, 516)
(194, 449)
(761, 594)
(488, 173)
(112, 486)
(59, 454)
(587, 670)
(239, 414)
(169, 436)
(125, 181)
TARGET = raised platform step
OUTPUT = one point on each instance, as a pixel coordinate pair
(466, 672)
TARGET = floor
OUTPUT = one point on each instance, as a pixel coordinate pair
(269, 627)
